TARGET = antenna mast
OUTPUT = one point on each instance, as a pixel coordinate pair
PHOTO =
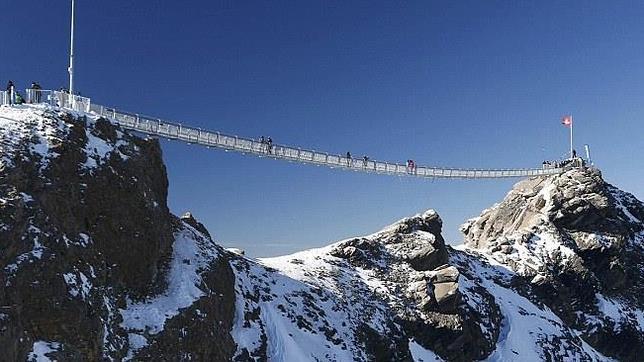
(71, 54)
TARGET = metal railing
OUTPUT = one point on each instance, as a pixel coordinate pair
(4, 98)
(41, 96)
(169, 130)
(58, 99)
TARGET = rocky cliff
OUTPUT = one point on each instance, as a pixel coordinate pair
(92, 264)
(579, 241)
(95, 267)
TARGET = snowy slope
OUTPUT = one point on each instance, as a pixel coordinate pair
(293, 297)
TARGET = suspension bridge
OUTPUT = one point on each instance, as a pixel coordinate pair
(175, 131)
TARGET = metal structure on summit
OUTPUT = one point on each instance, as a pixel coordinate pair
(175, 131)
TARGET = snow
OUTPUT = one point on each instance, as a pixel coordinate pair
(277, 312)
(237, 251)
(192, 254)
(85, 239)
(546, 193)
(526, 328)
(619, 313)
(35, 253)
(78, 284)
(624, 199)
(421, 354)
(534, 256)
(32, 125)
(40, 350)
(98, 149)
(41, 128)
(26, 198)
(307, 306)
(136, 342)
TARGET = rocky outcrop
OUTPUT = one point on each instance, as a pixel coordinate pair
(579, 242)
(410, 255)
(85, 231)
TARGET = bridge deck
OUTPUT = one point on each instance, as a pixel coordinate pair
(157, 127)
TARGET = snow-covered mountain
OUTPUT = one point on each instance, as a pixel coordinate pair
(95, 267)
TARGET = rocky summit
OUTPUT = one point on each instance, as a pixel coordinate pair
(579, 241)
(94, 267)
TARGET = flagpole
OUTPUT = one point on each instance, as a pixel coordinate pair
(571, 125)
(71, 54)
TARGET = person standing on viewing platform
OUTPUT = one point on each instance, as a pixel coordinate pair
(348, 159)
(36, 94)
(11, 91)
(63, 97)
(19, 99)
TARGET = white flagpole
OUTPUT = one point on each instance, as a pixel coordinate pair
(71, 56)
(571, 124)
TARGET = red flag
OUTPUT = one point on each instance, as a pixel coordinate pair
(567, 121)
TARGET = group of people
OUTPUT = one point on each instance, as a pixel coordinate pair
(411, 164)
(34, 94)
(365, 160)
(14, 97)
(562, 163)
(267, 144)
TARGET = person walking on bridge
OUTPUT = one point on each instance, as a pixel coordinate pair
(262, 146)
(348, 159)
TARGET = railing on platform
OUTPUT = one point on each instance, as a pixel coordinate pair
(40, 96)
(58, 99)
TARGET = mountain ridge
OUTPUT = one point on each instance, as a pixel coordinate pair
(88, 244)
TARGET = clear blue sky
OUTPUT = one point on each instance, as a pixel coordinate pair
(463, 84)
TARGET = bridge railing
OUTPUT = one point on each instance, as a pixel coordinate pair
(4, 98)
(152, 125)
(170, 130)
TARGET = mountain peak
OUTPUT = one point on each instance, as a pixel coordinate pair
(580, 242)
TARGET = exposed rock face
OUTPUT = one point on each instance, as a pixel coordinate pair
(84, 232)
(579, 241)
